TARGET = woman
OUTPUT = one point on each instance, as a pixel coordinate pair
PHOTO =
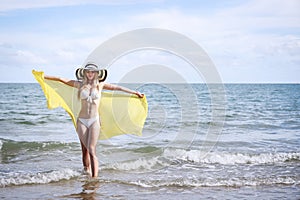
(90, 83)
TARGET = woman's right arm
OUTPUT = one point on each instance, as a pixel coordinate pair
(71, 83)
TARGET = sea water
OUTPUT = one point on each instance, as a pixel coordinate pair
(255, 154)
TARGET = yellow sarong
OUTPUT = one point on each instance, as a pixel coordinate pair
(119, 113)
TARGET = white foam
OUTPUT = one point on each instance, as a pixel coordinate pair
(226, 158)
(140, 164)
(173, 156)
(232, 182)
(19, 178)
(1, 144)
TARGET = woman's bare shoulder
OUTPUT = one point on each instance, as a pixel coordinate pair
(101, 85)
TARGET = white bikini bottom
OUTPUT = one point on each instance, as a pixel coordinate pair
(88, 122)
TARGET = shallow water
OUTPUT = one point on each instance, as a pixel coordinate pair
(256, 156)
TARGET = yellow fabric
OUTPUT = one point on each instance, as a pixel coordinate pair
(119, 113)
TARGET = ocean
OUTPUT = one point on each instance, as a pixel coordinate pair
(249, 151)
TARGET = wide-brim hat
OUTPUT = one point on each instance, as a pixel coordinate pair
(102, 73)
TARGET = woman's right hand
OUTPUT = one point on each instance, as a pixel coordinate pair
(139, 94)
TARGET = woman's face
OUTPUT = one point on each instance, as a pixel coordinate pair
(90, 75)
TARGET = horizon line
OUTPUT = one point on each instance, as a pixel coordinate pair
(173, 83)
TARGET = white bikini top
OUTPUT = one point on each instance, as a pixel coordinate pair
(85, 94)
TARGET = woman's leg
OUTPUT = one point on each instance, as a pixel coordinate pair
(85, 159)
(82, 132)
(94, 131)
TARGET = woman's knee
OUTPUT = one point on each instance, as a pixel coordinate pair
(92, 150)
(83, 147)
(84, 151)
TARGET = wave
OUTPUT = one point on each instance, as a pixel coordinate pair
(154, 156)
(11, 145)
(26, 123)
(139, 165)
(227, 158)
(18, 178)
(21, 178)
(232, 182)
(170, 157)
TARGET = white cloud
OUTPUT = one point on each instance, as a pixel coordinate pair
(29, 57)
(8, 5)
(243, 39)
(240, 39)
(265, 8)
(254, 15)
(11, 56)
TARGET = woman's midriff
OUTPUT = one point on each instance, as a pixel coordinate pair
(89, 110)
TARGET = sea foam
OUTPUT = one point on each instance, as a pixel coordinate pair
(227, 158)
(21, 178)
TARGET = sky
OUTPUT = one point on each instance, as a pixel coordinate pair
(249, 41)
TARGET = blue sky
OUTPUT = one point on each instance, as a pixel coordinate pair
(250, 41)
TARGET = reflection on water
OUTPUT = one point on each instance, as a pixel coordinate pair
(89, 190)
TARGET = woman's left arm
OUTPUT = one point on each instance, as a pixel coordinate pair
(108, 86)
